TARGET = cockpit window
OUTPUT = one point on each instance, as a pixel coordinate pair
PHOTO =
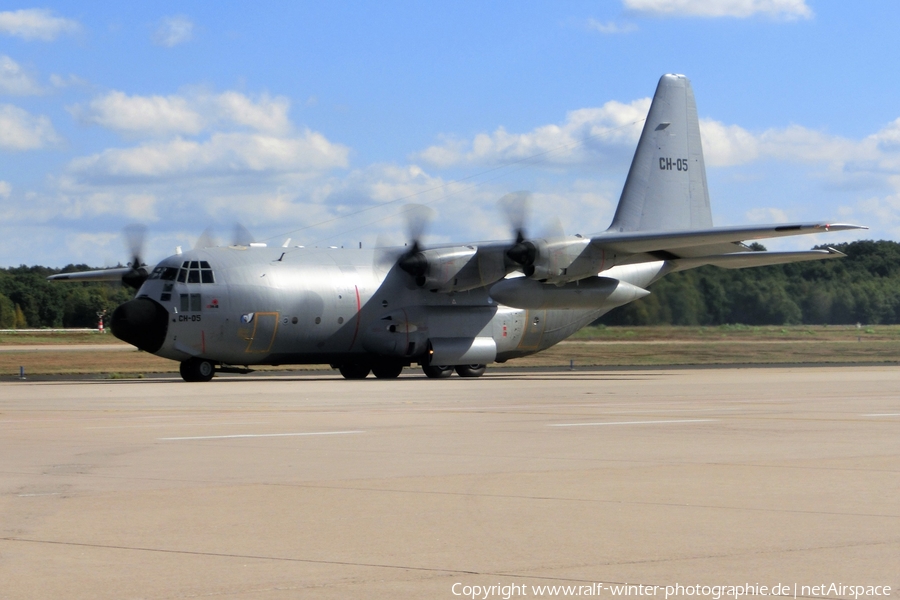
(164, 273)
(195, 271)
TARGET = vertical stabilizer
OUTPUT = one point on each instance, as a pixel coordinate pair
(666, 185)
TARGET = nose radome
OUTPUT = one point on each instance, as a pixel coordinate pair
(142, 323)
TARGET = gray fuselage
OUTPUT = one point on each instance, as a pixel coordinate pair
(243, 305)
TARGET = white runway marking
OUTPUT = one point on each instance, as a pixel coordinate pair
(630, 423)
(256, 435)
(175, 425)
(884, 415)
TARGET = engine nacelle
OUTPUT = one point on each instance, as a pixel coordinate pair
(560, 260)
(592, 292)
(455, 269)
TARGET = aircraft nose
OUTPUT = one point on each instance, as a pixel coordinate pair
(142, 323)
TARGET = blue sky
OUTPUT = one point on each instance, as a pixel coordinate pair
(292, 117)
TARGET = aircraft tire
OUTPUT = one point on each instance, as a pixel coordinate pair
(437, 371)
(470, 370)
(354, 371)
(388, 371)
(197, 369)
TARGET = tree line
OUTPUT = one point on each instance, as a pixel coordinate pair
(864, 288)
(27, 299)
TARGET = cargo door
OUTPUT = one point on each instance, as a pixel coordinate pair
(535, 321)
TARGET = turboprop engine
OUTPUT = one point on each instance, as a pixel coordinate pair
(560, 260)
(455, 269)
(591, 292)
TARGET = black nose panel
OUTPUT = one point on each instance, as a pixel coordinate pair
(142, 323)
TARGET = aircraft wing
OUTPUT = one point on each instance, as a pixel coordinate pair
(114, 274)
(739, 260)
(636, 242)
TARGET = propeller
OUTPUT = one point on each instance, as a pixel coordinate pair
(207, 239)
(240, 236)
(134, 241)
(517, 206)
(418, 217)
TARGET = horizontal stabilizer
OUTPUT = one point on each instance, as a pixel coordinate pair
(740, 260)
(655, 241)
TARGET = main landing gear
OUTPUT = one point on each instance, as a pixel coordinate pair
(393, 370)
(197, 369)
(361, 371)
(442, 371)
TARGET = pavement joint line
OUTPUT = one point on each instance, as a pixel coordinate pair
(256, 435)
(630, 423)
(438, 569)
(883, 415)
(583, 500)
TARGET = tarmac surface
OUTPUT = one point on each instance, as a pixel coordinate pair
(310, 486)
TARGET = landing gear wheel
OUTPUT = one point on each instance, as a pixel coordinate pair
(197, 369)
(354, 371)
(437, 371)
(388, 371)
(470, 370)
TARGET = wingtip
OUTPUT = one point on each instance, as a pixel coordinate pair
(841, 226)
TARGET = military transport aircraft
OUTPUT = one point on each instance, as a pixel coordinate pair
(448, 308)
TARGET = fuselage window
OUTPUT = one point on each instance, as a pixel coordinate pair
(191, 303)
(156, 273)
(169, 273)
(194, 276)
(182, 275)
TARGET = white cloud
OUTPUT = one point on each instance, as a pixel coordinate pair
(14, 80)
(187, 114)
(222, 153)
(767, 215)
(266, 114)
(173, 31)
(585, 133)
(729, 145)
(611, 27)
(726, 145)
(138, 207)
(35, 24)
(785, 9)
(19, 130)
(143, 114)
(60, 81)
(5, 189)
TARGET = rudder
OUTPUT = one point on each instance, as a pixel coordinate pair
(666, 185)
